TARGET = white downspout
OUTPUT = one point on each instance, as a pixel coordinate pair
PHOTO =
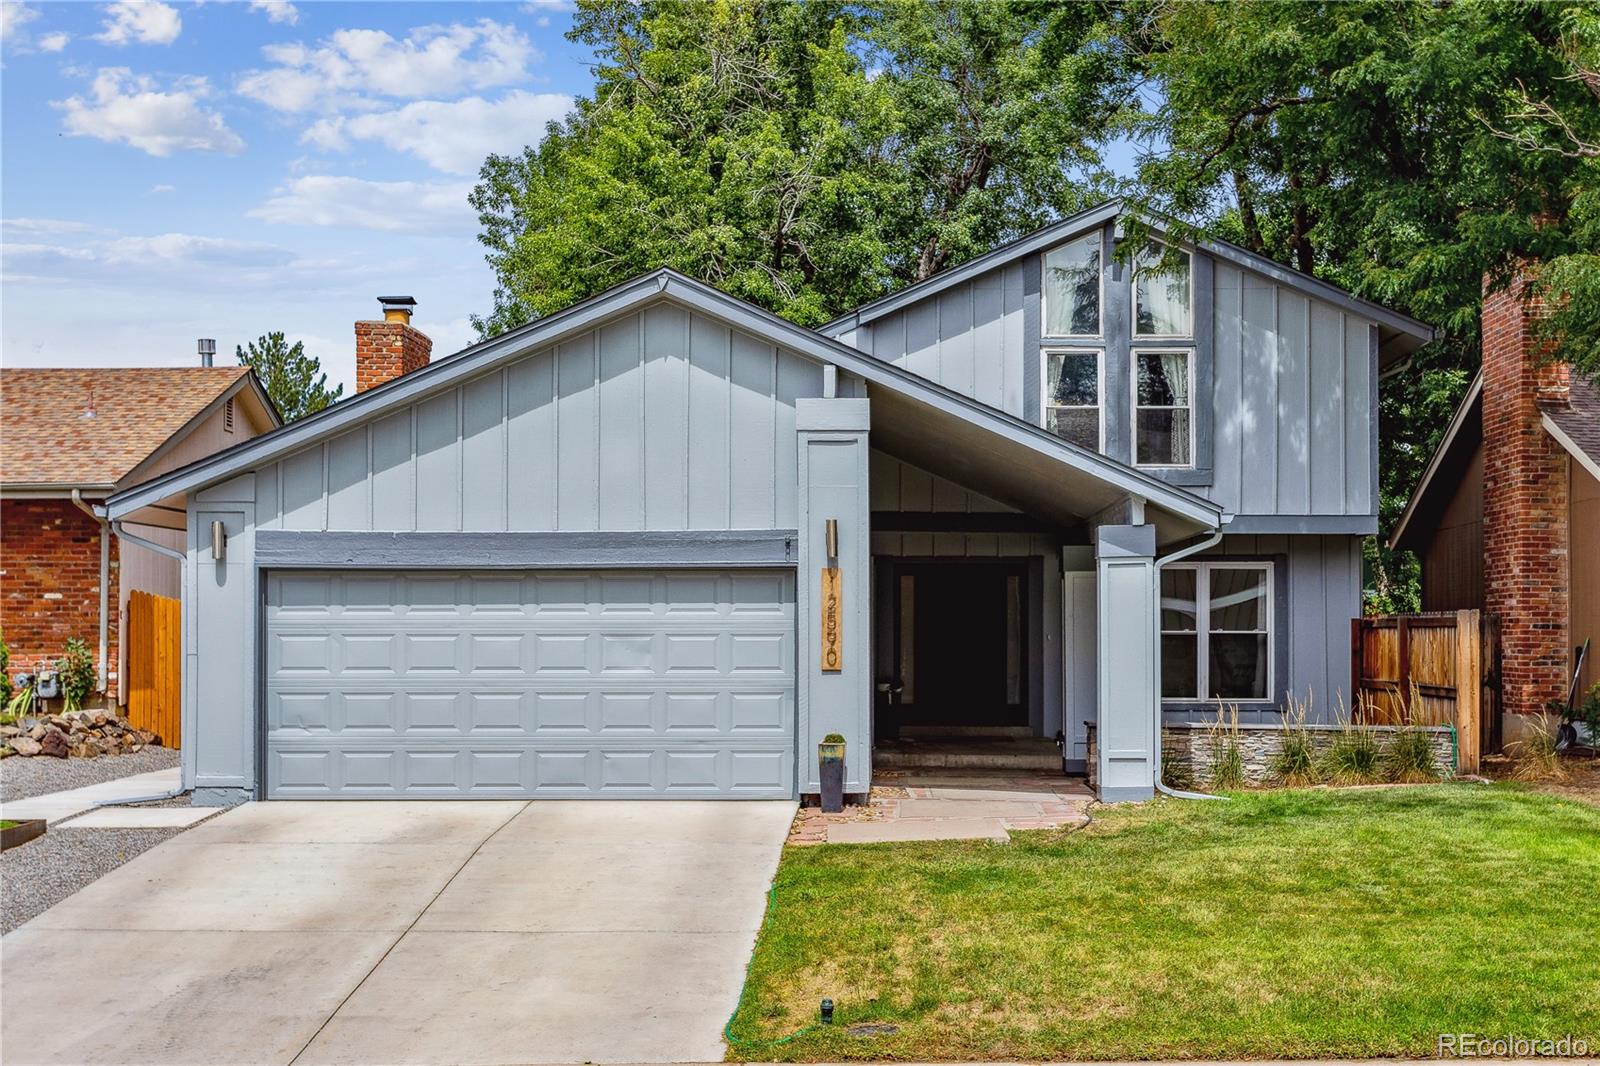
(1182, 553)
(105, 581)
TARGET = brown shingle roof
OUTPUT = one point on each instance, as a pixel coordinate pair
(1579, 418)
(48, 438)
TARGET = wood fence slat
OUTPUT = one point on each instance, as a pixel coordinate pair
(155, 657)
(1435, 669)
(1469, 683)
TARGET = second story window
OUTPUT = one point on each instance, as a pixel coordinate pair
(1072, 289)
(1072, 396)
(1161, 298)
(1163, 407)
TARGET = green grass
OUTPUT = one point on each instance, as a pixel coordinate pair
(6, 823)
(1292, 924)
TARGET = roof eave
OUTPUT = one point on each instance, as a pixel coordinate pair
(1398, 538)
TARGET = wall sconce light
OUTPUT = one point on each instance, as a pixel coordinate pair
(219, 541)
(833, 539)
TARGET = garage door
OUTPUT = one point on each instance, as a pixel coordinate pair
(624, 684)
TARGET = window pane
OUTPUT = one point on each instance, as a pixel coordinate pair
(1161, 300)
(1080, 425)
(1072, 288)
(1238, 599)
(1163, 437)
(1238, 665)
(1164, 379)
(1178, 600)
(1074, 379)
(1179, 655)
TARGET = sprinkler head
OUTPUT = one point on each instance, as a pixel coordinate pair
(827, 1012)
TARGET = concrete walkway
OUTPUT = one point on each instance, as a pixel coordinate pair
(486, 933)
(950, 805)
(56, 807)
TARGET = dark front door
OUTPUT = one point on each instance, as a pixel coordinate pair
(959, 640)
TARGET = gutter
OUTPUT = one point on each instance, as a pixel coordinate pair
(105, 579)
(1182, 553)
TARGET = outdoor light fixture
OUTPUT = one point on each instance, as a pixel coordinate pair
(219, 541)
(833, 539)
(827, 1008)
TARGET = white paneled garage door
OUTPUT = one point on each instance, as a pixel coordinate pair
(629, 684)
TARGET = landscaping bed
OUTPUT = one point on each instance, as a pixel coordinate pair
(1280, 924)
(22, 778)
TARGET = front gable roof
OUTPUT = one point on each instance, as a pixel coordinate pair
(928, 422)
(90, 427)
(1398, 333)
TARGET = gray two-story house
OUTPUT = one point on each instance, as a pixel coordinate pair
(663, 542)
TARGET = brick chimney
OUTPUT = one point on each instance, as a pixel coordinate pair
(390, 347)
(1525, 480)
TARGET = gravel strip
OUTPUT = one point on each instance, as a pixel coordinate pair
(41, 873)
(21, 778)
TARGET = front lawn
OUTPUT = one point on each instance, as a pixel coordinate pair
(1292, 924)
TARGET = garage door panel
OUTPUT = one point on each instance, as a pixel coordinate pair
(680, 683)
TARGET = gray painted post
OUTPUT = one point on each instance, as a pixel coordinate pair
(219, 748)
(1125, 599)
(833, 484)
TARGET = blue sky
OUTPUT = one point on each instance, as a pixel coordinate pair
(174, 171)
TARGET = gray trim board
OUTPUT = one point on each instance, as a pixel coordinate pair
(700, 297)
(1126, 794)
(1115, 406)
(525, 551)
(1075, 225)
(1360, 525)
(965, 522)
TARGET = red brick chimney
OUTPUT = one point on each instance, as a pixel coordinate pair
(1525, 565)
(391, 347)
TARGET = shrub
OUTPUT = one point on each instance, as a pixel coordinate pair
(1535, 757)
(1227, 757)
(1295, 763)
(76, 668)
(1410, 756)
(5, 671)
(1352, 758)
(1177, 773)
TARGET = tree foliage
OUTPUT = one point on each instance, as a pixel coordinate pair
(294, 380)
(806, 156)
(1401, 150)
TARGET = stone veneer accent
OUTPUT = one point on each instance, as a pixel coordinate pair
(1189, 743)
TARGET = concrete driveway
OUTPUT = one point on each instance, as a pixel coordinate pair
(409, 932)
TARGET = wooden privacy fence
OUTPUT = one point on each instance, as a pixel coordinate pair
(155, 665)
(1430, 669)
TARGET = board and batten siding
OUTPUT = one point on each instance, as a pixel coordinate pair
(660, 420)
(1292, 389)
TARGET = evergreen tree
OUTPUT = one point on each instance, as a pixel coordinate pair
(294, 380)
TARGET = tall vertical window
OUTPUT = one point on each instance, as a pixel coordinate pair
(1216, 631)
(1072, 289)
(1072, 396)
(1161, 296)
(1163, 407)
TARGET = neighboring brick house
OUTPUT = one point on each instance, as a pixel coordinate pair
(68, 439)
(1506, 517)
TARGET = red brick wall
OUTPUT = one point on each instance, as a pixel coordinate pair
(385, 350)
(50, 583)
(1524, 505)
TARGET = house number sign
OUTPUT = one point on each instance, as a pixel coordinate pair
(832, 649)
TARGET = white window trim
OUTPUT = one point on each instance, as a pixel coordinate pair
(1044, 293)
(1136, 406)
(1099, 386)
(1202, 595)
(1133, 301)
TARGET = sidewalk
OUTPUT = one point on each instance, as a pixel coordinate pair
(56, 807)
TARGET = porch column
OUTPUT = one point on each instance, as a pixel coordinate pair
(1126, 626)
(834, 697)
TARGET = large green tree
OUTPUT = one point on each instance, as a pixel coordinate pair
(293, 379)
(805, 156)
(1402, 150)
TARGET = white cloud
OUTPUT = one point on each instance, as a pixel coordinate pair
(163, 188)
(13, 17)
(54, 42)
(353, 203)
(277, 11)
(140, 21)
(162, 259)
(450, 136)
(350, 68)
(128, 109)
(12, 228)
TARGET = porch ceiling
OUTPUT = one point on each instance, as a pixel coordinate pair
(1028, 470)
